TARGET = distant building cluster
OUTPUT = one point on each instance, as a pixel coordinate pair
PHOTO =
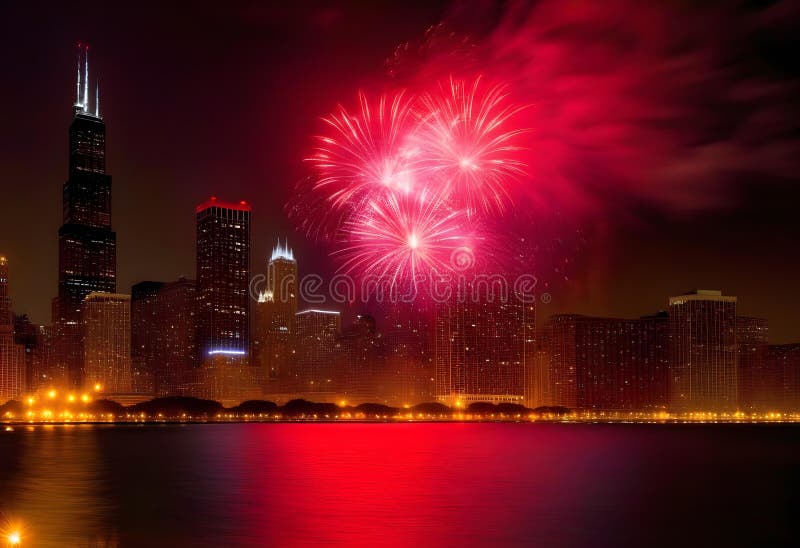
(699, 355)
(207, 337)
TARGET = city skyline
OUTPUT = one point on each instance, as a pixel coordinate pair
(452, 272)
(619, 274)
(239, 331)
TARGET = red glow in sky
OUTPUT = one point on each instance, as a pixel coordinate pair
(398, 181)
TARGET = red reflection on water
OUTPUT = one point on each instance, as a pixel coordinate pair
(403, 484)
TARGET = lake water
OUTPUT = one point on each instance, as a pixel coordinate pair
(444, 484)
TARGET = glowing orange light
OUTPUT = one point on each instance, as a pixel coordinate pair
(98, 387)
(14, 538)
(52, 394)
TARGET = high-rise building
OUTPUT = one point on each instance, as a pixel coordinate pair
(164, 354)
(703, 352)
(314, 370)
(262, 322)
(408, 349)
(560, 337)
(12, 359)
(483, 348)
(654, 372)
(163, 330)
(45, 350)
(87, 245)
(107, 328)
(223, 302)
(176, 362)
(605, 364)
(539, 385)
(223, 276)
(277, 309)
(27, 335)
(754, 378)
(781, 391)
(361, 376)
(145, 336)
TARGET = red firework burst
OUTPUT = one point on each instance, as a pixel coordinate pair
(400, 237)
(367, 152)
(469, 144)
(396, 182)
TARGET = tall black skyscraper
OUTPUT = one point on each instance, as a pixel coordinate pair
(223, 302)
(223, 275)
(87, 246)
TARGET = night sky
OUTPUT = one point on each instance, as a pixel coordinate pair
(671, 133)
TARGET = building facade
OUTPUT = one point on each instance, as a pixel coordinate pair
(277, 330)
(176, 366)
(223, 276)
(780, 388)
(408, 349)
(607, 364)
(314, 372)
(754, 378)
(539, 385)
(28, 336)
(703, 353)
(107, 328)
(12, 358)
(654, 373)
(145, 335)
(483, 349)
(163, 330)
(361, 375)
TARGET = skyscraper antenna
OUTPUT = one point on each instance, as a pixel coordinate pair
(97, 99)
(78, 95)
(86, 81)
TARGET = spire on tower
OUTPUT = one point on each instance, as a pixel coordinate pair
(282, 252)
(86, 80)
(78, 95)
(97, 99)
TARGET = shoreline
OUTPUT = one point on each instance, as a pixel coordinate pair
(9, 425)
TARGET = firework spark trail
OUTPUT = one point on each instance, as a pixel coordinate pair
(469, 145)
(401, 236)
(398, 182)
(366, 152)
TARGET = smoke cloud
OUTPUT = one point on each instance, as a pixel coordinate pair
(666, 104)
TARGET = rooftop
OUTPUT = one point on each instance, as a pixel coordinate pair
(214, 202)
(282, 251)
(317, 311)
